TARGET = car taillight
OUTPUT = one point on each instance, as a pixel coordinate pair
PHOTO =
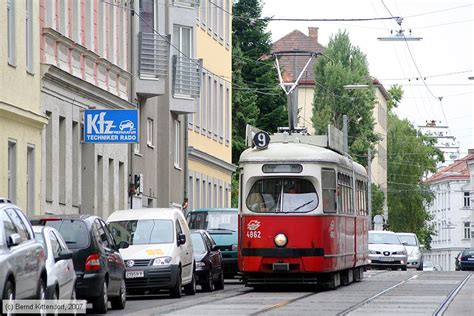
(93, 262)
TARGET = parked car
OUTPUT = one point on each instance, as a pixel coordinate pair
(209, 272)
(415, 256)
(222, 224)
(99, 267)
(465, 260)
(386, 250)
(160, 256)
(22, 259)
(59, 265)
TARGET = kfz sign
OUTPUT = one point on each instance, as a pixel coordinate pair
(111, 126)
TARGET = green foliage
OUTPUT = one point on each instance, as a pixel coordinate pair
(378, 198)
(344, 64)
(410, 156)
(234, 201)
(256, 93)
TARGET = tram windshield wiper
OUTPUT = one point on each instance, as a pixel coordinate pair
(299, 207)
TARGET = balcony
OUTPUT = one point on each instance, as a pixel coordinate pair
(153, 56)
(186, 77)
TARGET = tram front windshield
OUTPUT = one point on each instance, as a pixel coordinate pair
(287, 195)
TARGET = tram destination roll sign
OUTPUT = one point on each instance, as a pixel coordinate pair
(111, 126)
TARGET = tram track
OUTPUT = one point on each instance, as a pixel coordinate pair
(373, 297)
(445, 304)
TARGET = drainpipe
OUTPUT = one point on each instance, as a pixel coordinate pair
(186, 156)
(132, 93)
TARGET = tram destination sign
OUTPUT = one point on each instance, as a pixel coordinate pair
(261, 140)
(111, 126)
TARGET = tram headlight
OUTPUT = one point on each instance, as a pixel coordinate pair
(280, 240)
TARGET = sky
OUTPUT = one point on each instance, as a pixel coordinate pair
(444, 56)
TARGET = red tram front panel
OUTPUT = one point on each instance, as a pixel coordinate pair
(317, 243)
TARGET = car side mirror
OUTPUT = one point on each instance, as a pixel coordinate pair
(422, 247)
(404, 243)
(181, 239)
(14, 240)
(63, 255)
(215, 248)
(122, 245)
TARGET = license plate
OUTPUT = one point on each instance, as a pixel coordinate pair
(134, 274)
(386, 259)
(470, 259)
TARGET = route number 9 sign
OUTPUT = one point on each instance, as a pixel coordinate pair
(261, 140)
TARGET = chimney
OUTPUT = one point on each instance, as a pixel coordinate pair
(313, 33)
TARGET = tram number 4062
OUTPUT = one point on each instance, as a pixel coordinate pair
(254, 234)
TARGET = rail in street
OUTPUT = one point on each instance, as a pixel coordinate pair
(380, 292)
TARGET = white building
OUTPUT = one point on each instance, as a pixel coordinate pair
(452, 212)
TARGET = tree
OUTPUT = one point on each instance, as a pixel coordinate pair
(259, 75)
(411, 155)
(344, 64)
(378, 198)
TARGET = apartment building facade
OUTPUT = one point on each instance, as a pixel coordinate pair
(210, 165)
(85, 64)
(21, 118)
(452, 211)
(166, 88)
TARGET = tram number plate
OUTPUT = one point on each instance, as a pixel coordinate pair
(387, 259)
(134, 274)
(254, 234)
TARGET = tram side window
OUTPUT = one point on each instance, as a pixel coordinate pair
(328, 181)
(345, 193)
(361, 197)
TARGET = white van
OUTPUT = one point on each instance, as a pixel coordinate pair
(160, 255)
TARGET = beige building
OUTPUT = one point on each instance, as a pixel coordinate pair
(209, 129)
(21, 121)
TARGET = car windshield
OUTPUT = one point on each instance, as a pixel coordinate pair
(410, 239)
(288, 195)
(224, 221)
(74, 232)
(39, 237)
(382, 238)
(142, 232)
(198, 243)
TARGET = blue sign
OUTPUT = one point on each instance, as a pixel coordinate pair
(111, 126)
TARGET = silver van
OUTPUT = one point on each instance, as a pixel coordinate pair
(412, 245)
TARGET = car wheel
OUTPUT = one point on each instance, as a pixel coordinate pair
(100, 303)
(219, 284)
(120, 301)
(208, 286)
(404, 268)
(8, 294)
(190, 289)
(176, 291)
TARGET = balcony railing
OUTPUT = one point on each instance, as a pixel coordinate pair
(154, 54)
(190, 3)
(186, 76)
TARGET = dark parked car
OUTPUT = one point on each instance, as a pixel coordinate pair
(99, 267)
(222, 225)
(23, 272)
(209, 272)
(465, 260)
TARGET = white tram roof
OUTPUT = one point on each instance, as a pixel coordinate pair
(285, 152)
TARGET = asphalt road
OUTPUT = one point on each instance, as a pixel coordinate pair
(379, 293)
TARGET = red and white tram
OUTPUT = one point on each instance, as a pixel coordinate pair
(302, 214)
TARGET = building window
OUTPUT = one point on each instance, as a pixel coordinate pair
(215, 109)
(221, 19)
(467, 230)
(29, 36)
(227, 116)
(149, 132)
(227, 22)
(136, 148)
(221, 109)
(30, 179)
(209, 15)
(209, 105)
(214, 17)
(147, 16)
(11, 36)
(203, 12)
(467, 199)
(204, 102)
(12, 170)
(63, 17)
(177, 132)
(183, 40)
(62, 159)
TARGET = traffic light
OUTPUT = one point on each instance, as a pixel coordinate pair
(137, 183)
